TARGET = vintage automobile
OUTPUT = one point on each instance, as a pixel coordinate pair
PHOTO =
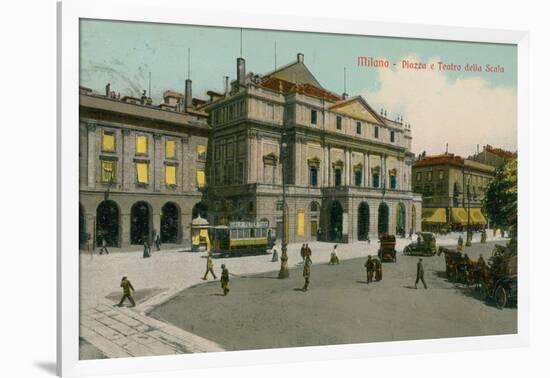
(499, 279)
(241, 238)
(387, 252)
(424, 245)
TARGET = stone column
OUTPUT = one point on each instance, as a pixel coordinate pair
(368, 181)
(365, 170)
(384, 174)
(324, 167)
(156, 223)
(92, 156)
(126, 164)
(125, 230)
(347, 167)
(157, 162)
(259, 159)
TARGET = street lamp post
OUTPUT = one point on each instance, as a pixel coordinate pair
(469, 231)
(283, 272)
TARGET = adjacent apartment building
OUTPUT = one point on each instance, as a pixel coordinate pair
(141, 166)
(347, 168)
(452, 189)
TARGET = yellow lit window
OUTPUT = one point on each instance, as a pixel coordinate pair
(142, 173)
(300, 223)
(141, 144)
(201, 180)
(201, 152)
(108, 141)
(170, 149)
(107, 171)
(170, 175)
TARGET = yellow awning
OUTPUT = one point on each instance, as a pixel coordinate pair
(459, 215)
(435, 215)
(477, 217)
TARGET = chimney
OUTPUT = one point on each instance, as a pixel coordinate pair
(300, 57)
(241, 71)
(188, 94)
(226, 91)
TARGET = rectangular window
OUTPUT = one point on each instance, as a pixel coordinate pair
(142, 170)
(141, 144)
(376, 180)
(337, 177)
(314, 227)
(170, 149)
(392, 136)
(441, 174)
(314, 117)
(339, 122)
(429, 176)
(376, 132)
(201, 152)
(300, 223)
(170, 175)
(418, 176)
(201, 179)
(313, 176)
(393, 181)
(358, 177)
(108, 171)
(358, 127)
(270, 111)
(108, 142)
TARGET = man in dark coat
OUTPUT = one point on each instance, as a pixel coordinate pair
(225, 280)
(369, 265)
(420, 274)
(306, 272)
(127, 290)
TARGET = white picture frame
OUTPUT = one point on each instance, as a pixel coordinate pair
(69, 14)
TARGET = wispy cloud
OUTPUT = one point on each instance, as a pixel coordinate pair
(462, 112)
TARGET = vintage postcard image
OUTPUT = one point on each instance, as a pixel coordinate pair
(250, 189)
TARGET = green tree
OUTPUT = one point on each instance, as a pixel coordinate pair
(501, 197)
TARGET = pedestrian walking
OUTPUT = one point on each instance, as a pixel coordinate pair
(157, 242)
(369, 265)
(460, 244)
(146, 250)
(333, 258)
(377, 270)
(127, 290)
(225, 280)
(308, 251)
(209, 267)
(303, 252)
(306, 273)
(103, 247)
(420, 274)
(275, 255)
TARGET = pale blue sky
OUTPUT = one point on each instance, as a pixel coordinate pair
(123, 53)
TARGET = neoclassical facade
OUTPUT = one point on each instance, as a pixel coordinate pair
(141, 167)
(347, 167)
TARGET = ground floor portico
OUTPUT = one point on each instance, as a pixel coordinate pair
(339, 214)
(126, 219)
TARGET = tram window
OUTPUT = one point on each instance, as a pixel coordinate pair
(234, 234)
(252, 233)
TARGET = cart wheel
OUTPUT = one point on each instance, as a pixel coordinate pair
(501, 297)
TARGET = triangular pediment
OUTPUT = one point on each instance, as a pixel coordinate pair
(358, 108)
(296, 73)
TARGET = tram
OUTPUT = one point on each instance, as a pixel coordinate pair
(241, 238)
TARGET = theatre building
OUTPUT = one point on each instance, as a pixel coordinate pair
(452, 189)
(347, 168)
(141, 167)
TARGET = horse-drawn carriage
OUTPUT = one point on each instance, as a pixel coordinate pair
(387, 252)
(424, 245)
(458, 266)
(499, 279)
